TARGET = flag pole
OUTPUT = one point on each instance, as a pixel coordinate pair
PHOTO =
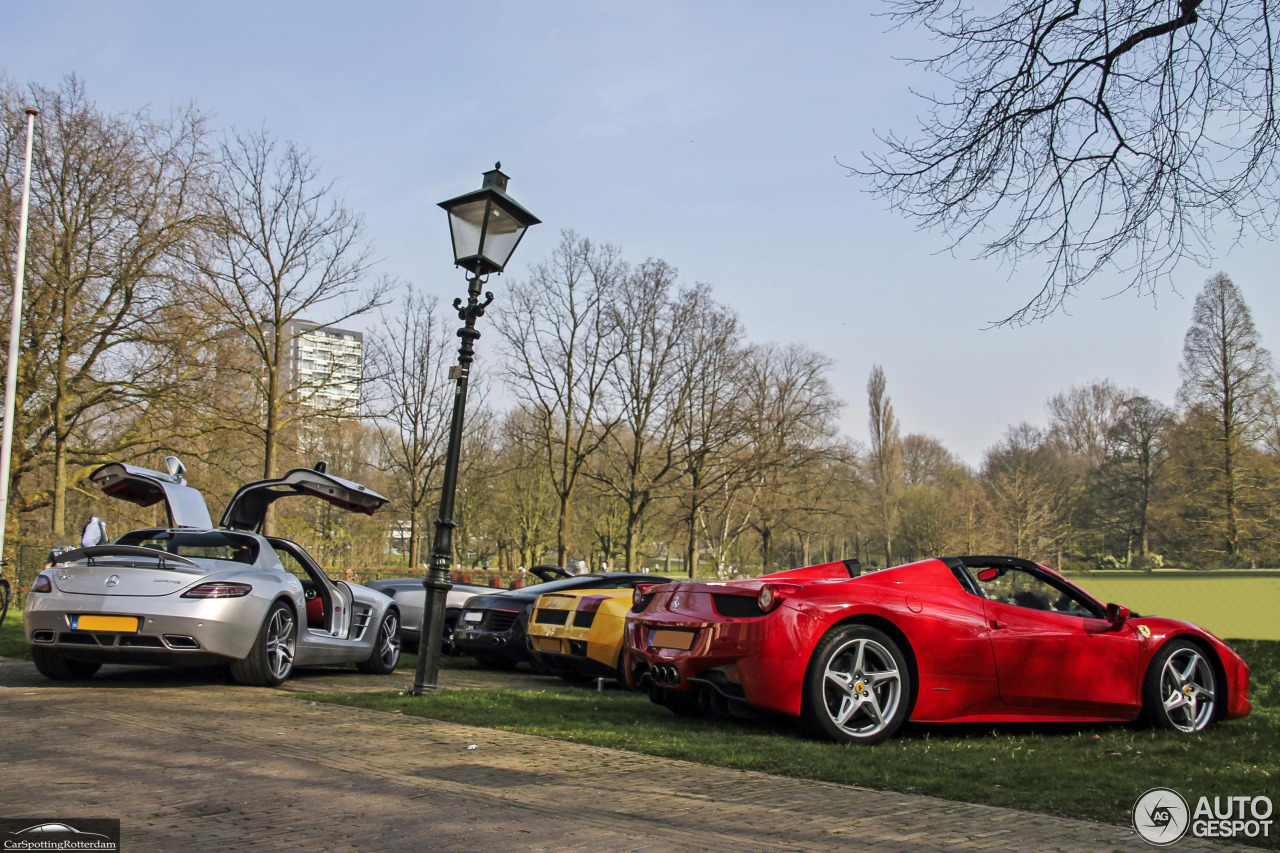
(15, 331)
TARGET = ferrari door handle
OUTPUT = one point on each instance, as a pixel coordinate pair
(997, 624)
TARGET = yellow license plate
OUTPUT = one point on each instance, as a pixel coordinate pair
(118, 624)
(664, 639)
(547, 644)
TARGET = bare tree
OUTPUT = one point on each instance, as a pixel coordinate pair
(116, 207)
(925, 461)
(1227, 377)
(789, 423)
(929, 521)
(1023, 506)
(1111, 135)
(560, 343)
(409, 360)
(285, 245)
(641, 456)
(527, 511)
(475, 502)
(710, 425)
(1083, 416)
(934, 500)
(1075, 447)
(885, 457)
(1021, 516)
(1134, 454)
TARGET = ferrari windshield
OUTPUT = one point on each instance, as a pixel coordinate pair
(209, 545)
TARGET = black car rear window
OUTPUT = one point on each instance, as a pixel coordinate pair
(562, 583)
(618, 581)
(210, 545)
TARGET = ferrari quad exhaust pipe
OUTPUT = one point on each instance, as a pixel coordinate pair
(665, 674)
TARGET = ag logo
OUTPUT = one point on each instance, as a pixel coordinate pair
(1144, 631)
(113, 580)
(1161, 816)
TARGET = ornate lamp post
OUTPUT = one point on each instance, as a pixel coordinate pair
(486, 226)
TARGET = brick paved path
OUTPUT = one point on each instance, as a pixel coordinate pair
(192, 764)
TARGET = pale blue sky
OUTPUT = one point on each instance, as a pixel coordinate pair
(705, 133)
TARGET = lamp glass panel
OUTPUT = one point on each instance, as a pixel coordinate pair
(501, 238)
(465, 221)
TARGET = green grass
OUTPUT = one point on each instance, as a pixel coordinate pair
(1084, 771)
(12, 642)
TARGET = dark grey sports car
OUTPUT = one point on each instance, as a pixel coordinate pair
(195, 594)
(411, 598)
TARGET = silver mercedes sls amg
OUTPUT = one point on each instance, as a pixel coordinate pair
(195, 594)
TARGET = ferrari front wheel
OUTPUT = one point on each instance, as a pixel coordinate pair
(1180, 691)
(270, 660)
(858, 686)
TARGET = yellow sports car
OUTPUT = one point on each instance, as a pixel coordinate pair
(578, 633)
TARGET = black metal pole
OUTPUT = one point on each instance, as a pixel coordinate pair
(436, 583)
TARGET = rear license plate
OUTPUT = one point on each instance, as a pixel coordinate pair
(118, 624)
(472, 616)
(547, 644)
(665, 639)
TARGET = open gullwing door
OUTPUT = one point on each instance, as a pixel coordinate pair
(248, 507)
(144, 487)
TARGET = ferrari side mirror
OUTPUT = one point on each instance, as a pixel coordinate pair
(1117, 614)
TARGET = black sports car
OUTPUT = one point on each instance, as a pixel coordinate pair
(492, 627)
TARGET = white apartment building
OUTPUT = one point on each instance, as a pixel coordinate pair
(326, 365)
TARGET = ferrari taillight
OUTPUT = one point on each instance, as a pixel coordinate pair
(42, 584)
(218, 589)
(772, 594)
(637, 596)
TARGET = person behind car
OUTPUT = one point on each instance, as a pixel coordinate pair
(94, 533)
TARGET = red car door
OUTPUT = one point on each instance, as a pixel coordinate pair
(1078, 665)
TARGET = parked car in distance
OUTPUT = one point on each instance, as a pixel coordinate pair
(411, 597)
(492, 628)
(951, 639)
(194, 594)
(578, 633)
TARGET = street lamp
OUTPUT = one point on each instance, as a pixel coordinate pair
(486, 226)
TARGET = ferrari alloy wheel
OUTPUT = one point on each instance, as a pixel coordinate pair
(270, 660)
(858, 686)
(55, 666)
(386, 647)
(1180, 691)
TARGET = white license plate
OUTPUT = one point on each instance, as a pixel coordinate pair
(472, 617)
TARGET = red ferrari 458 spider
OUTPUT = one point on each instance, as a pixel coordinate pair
(954, 639)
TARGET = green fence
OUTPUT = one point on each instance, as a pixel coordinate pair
(23, 563)
(1241, 605)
